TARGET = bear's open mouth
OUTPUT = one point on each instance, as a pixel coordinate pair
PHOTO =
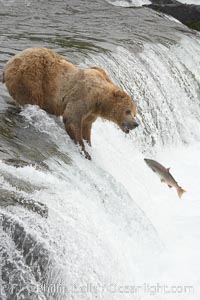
(125, 129)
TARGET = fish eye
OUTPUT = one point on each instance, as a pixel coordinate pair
(128, 112)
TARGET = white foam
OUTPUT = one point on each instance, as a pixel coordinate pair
(129, 3)
(109, 218)
(196, 2)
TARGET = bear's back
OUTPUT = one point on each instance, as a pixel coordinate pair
(34, 76)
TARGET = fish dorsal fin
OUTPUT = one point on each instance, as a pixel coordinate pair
(168, 169)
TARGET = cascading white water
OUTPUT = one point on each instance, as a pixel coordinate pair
(196, 2)
(164, 80)
(129, 3)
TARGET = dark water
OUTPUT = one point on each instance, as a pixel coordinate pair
(75, 27)
(36, 155)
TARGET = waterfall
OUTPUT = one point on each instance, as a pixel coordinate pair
(112, 230)
(164, 80)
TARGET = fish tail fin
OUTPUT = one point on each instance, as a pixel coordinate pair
(180, 191)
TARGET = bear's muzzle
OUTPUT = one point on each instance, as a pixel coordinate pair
(129, 125)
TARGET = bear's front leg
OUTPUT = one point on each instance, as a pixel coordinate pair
(74, 132)
(73, 126)
(87, 126)
(87, 133)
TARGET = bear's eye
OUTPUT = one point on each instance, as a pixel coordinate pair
(128, 112)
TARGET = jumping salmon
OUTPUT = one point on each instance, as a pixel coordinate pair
(164, 175)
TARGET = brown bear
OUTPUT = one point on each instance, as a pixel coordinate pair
(42, 77)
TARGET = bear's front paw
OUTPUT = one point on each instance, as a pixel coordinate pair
(87, 155)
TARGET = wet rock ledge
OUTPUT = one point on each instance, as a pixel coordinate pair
(187, 14)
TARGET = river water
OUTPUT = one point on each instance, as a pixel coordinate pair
(112, 230)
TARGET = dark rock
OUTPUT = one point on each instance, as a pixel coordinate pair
(165, 2)
(185, 13)
(22, 141)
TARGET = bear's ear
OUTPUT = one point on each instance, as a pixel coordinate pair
(118, 93)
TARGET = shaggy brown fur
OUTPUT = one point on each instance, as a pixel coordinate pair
(42, 77)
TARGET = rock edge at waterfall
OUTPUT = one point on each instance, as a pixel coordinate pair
(188, 14)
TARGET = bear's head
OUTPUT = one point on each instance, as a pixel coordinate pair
(123, 110)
